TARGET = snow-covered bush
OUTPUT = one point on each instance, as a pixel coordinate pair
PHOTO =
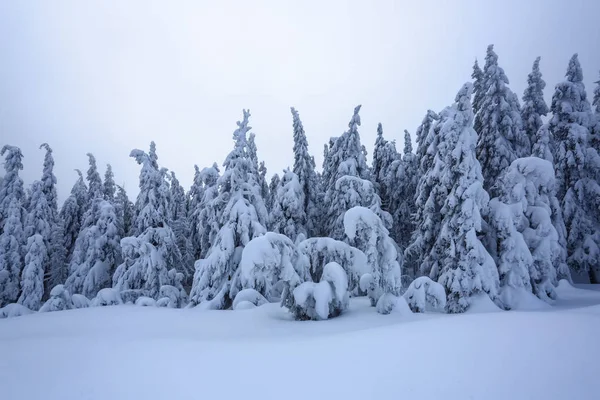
(107, 297)
(424, 295)
(172, 297)
(389, 303)
(366, 231)
(59, 300)
(130, 296)
(144, 301)
(80, 301)
(323, 300)
(321, 251)
(14, 310)
(270, 259)
(250, 296)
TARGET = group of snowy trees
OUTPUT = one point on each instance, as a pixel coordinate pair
(499, 199)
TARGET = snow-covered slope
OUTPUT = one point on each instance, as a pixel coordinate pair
(128, 352)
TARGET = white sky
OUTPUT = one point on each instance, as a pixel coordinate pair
(109, 76)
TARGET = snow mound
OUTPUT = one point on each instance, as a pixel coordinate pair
(107, 297)
(244, 305)
(522, 300)
(365, 281)
(80, 301)
(14, 310)
(424, 295)
(144, 301)
(59, 300)
(250, 296)
(482, 304)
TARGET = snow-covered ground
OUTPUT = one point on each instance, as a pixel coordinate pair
(128, 352)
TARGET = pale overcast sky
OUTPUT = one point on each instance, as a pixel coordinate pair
(109, 76)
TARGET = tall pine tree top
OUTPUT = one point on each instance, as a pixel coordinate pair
(534, 105)
(49, 180)
(109, 188)
(478, 93)
(95, 188)
(501, 139)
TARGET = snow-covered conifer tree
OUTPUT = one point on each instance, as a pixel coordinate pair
(58, 270)
(11, 259)
(180, 225)
(577, 164)
(32, 279)
(426, 142)
(97, 250)
(95, 187)
(12, 184)
(466, 268)
(152, 251)
(384, 154)
(37, 222)
(366, 232)
(501, 138)
(403, 178)
(304, 168)
(194, 197)
(208, 225)
(71, 214)
(109, 187)
(478, 92)
(241, 215)
(347, 179)
(273, 187)
(287, 212)
(124, 210)
(534, 105)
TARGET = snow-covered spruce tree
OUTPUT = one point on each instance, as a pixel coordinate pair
(501, 137)
(259, 167)
(384, 154)
(528, 184)
(152, 251)
(12, 213)
(124, 209)
(304, 168)
(366, 232)
(426, 142)
(595, 132)
(542, 148)
(420, 255)
(37, 222)
(262, 179)
(95, 187)
(97, 249)
(32, 278)
(109, 187)
(347, 180)
(240, 215)
(287, 213)
(194, 198)
(478, 92)
(58, 271)
(273, 187)
(207, 221)
(12, 184)
(534, 105)
(181, 227)
(403, 177)
(71, 214)
(467, 270)
(577, 164)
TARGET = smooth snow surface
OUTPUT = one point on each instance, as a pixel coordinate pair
(128, 352)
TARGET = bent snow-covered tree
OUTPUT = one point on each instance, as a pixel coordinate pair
(288, 210)
(240, 214)
(366, 232)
